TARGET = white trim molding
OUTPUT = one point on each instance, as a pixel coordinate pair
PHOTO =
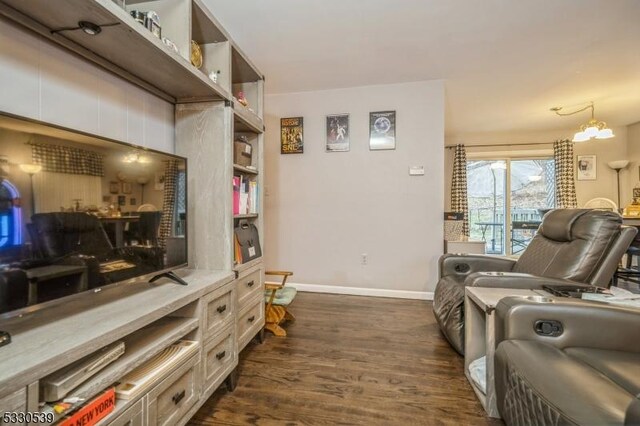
(358, 291)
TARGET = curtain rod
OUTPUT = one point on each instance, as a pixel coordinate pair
(495, 145)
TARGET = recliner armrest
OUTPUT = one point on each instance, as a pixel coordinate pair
(465, 264)
(514, 280)
(584, 323)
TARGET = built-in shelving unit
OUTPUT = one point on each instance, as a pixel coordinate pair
(246, 216)
(245, 170)
(127, 48)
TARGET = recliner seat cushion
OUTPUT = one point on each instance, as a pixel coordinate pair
(537, 383)
(448, 307)
(621, 367)
(570, 244)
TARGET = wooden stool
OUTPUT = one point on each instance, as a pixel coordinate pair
(277, 299)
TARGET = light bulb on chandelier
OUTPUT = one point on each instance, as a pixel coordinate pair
(593, 129)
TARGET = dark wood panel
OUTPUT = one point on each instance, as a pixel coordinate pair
(350, 360)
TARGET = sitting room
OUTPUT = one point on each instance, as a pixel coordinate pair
(319, 213)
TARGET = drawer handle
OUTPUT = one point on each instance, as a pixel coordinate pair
(250, 283)
(221, 355)
(252, 318)
(178, 397)
(221, 309)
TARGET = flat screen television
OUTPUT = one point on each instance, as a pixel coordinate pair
(80, 212)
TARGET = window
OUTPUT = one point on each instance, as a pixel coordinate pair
(521, 190)
(10, 226)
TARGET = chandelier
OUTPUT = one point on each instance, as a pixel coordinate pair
(592, 129)
(136, 156)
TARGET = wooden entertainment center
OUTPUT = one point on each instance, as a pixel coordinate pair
(222, 307)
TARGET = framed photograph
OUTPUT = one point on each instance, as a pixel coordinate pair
(587, 167)
(122, 200)
(106, 198)
(126, 187)
(337, 133)
(132, 201)
(114, 187)
(158, 181)
(382, 130)
(291, 135)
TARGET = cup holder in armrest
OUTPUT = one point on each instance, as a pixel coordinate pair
(539, 299)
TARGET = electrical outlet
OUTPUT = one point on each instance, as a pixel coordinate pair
(364, 258)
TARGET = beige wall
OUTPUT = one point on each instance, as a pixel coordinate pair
(324, 210)
(605, 151)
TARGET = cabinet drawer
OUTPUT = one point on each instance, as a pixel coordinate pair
(248, 287)
(15, 402)
(172, 398)
(250, 322)
(218, 309)
(132, 416)
(219, 354)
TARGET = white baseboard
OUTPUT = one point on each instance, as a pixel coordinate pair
(358, 291)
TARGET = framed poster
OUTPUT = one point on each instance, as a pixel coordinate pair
(291, 135)
(382, 130)
(158, 181)
(587, 167)
(126, 187)
(337, 133)
(114, 187)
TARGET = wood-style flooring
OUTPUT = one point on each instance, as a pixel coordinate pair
(350, 360)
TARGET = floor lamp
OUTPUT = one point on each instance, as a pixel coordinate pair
(31, 169)
(618, 166)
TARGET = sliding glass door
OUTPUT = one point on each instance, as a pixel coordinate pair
(507, 199)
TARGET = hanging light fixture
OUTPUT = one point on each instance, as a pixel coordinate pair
(593, 129)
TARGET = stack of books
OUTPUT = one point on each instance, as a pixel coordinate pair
(245, 195)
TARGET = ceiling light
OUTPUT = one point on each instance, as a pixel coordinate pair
(593, 129)
(89, 27)
(136, 157)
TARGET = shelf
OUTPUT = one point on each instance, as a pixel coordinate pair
(245, 120)
(248, 265)
(140, 346)
(242, 68)
(245, 216)
(242, 169)
(128, 49)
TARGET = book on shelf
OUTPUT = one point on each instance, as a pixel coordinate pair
(236, 195)
(245, 196)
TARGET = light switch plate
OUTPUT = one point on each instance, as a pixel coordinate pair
(416, 170)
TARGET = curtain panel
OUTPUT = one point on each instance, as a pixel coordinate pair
(459, 203)
(565, 175)
(168, 205)
(65, 159)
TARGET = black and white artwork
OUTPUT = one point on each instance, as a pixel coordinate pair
(382, 130)
(338, 133)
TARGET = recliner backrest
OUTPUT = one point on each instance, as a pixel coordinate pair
(572, 244)
(63, 233)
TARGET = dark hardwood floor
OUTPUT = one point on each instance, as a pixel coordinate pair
(350, 360)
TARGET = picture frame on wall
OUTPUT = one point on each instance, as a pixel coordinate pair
(382, 130)
(126, 187)
(337, 133)
(158, 181)
(586, 167)
(114, 187)
(292, 135)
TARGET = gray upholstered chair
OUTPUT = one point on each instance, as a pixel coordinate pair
(586, 374)
(572, 246)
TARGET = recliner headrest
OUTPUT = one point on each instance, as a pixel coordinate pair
(560, 224)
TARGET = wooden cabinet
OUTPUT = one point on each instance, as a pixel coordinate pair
(219, 354)
(15, 402)
(248, 286)
(250, 322)
(174, 396)
(219, 310)
(132, 416)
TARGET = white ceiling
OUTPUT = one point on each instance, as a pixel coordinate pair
(504, 62)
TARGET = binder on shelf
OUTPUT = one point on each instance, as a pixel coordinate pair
(236, 195)
(248, 242)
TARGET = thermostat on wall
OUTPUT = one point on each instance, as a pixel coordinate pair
(416, 170)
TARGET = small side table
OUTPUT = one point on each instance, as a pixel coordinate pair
(466, 247)
(42, 274)
(479, 339)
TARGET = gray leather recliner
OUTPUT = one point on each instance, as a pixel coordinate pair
(589, 374)
(572, 246)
